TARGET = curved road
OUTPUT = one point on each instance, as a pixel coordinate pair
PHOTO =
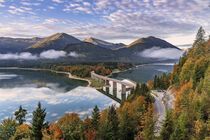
(162, 100)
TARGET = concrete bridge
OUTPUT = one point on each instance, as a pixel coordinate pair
(117, 88)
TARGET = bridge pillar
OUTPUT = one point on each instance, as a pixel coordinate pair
(107, 82)
(114, 89)
(123, 94)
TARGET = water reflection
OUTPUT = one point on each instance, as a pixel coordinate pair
(56, 92)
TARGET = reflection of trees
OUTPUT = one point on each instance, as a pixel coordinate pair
(40, 83)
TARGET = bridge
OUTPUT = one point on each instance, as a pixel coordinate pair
(119, 89)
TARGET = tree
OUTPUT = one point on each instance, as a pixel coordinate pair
(167, 127)
(95, 118)
(181, 130)
(52, 133)
(7, 128)
(38, 122)
(20, 115)
(126, 126)
(200, 37)
(112, 130)
(148, 124)
(71, 126)
(22, 131)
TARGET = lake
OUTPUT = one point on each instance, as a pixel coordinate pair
(146, 72)
(59, 94)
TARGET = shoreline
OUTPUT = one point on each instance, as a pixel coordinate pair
(70, 76)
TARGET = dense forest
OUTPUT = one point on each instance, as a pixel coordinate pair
(135, 118)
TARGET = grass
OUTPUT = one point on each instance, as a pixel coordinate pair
(95, 84)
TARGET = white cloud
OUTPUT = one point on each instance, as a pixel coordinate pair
(50, 21)
(52, 54)
(58, 1)
(74, 54)
(162, 53)
(30, 4)
(86, 3)
(21, 56)
(2, 1)
(51, 7)
(49, 54)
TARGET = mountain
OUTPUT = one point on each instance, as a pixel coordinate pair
(104, 44)
(57, 42)
(134, 49)
(149, 42)
(14, 45)
(91, 52)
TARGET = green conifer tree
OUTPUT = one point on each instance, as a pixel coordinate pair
(112, 131)
(20, 115)
(95, 118)
(38, 122)
(167, 127)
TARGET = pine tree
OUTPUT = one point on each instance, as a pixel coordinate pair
(112, 126)
(200, 37)
(38, 122)
(95, 118)
(20, 115)
(181, 130)
(148, 123)
(126, 127)
(167, 127)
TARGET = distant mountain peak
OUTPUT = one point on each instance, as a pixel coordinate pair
(56, 41)
(103, 43)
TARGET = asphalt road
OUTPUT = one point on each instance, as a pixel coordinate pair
(163, 99)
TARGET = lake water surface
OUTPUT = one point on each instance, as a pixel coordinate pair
(146, 72)
(59, 94)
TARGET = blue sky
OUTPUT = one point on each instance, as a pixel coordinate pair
(176, 21)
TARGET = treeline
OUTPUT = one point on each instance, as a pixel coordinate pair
(83, 70)
(161, 82)
(133, 119)
(189, 120)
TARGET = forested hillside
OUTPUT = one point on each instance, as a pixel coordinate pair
(189, 120)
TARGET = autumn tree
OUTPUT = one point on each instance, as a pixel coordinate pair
(20, 115)
(71, 126)
(90, 133)
(148, 124)
(22, 132)
(7, 128)
(38, 121)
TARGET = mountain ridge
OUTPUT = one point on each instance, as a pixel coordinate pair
(103, 43)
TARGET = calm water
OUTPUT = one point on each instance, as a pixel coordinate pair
(143, 73)
(57, 93)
